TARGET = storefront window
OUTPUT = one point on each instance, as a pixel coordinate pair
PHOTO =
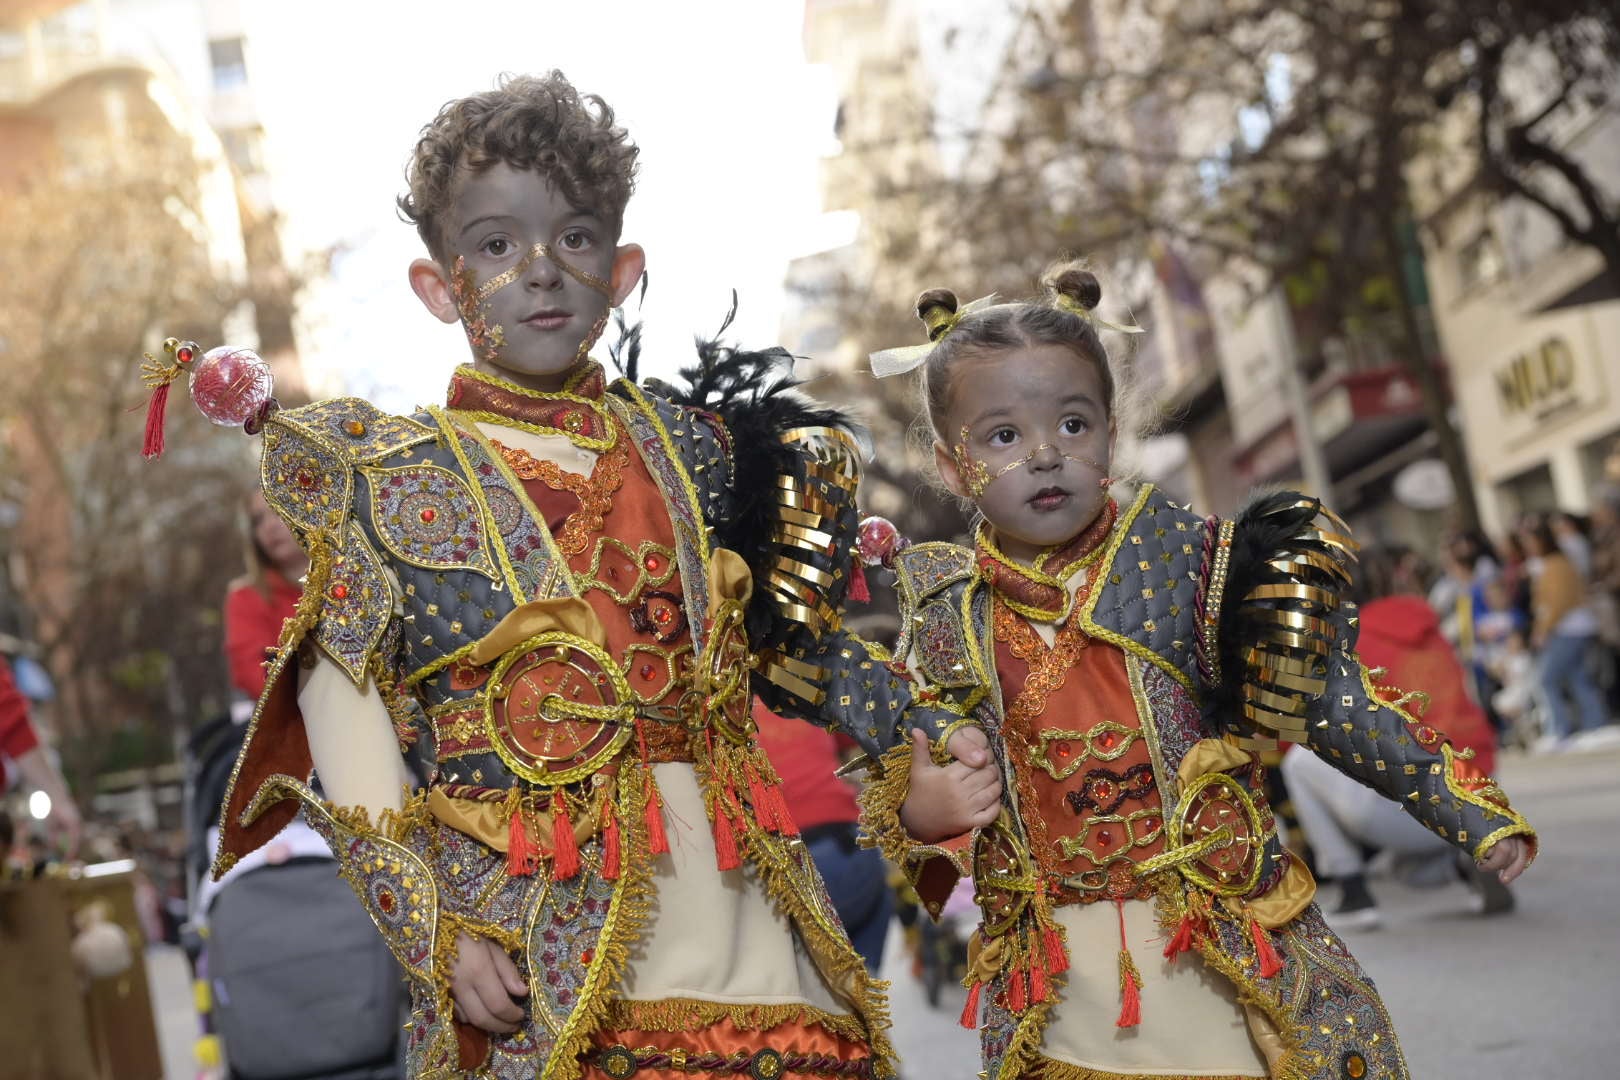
(1530, 492)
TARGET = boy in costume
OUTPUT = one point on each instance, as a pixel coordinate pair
(523, 661)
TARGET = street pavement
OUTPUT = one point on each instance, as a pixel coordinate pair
(1534, 993)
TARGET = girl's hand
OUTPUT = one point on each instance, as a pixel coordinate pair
(485, 983)
(949, 800)
(1508, 857)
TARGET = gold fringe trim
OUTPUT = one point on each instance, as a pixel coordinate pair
(1295, 1064)
(1026, 1037)
(627, 915)
(826, 942)
(1047, 1069)
(880, 806)
(690, 1014)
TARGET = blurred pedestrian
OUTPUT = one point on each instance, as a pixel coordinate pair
(1343, 819)
(257, 603)
(824, 808)
(20, 749)
(1569, 530)
(1563, 629)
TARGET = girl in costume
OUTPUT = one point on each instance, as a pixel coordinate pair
(1126, 659)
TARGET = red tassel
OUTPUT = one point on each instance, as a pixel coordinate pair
(657, 840)
(859, 593)
(1265, 954)
(970, 1011)
(1183, 939)
(521, 854)
(1017, 999)
(610, 848)
(1057, 954)
(1130, 993)
(1037, 983)
(725, 841)
(152, 446)
(756, 795)
(565, 852)
(779, 809)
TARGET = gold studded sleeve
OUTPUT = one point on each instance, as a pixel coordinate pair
(1283, 646)
(811, 665)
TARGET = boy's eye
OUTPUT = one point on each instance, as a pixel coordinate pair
(1002, 436)
(576, 240)
(1073, 425)
(497, 246)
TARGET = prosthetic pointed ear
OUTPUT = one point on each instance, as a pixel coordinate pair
(948, 472)
(432, 286)
(629, 262)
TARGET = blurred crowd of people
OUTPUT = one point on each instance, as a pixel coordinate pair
(1535, 618)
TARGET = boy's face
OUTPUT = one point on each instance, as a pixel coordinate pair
(530, 276)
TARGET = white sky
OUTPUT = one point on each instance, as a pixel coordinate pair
(731, 121)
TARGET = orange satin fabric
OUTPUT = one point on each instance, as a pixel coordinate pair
(1095, 690)
(724, 1037)
(637, 514)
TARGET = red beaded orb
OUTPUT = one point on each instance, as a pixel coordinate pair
(229, 385)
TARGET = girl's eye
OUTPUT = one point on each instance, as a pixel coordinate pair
(576, 240)
(497, 246)
(1002, 437)
(1073, 425)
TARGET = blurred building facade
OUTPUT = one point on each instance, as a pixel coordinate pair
(1531, 320)
(1211, 370)
(86, 87)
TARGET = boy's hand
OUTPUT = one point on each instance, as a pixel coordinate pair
(1508, 857)
(949, 800)
(484, 982)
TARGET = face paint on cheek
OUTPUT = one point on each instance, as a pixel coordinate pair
(474, 303)
(977, 477)
(486, 338)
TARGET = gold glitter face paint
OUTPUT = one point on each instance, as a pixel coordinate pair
(486, 338)
(539, 251)
(977, 477)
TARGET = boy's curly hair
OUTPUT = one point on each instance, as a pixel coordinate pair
(529, 122)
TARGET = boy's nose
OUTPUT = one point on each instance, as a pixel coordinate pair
(543, 273)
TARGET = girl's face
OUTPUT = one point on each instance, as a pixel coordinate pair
(1031, 440)
(273, 537)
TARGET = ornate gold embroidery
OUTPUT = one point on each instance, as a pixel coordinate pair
(1108, 741)
(1048, 668)
(650, 565)
(595, 492)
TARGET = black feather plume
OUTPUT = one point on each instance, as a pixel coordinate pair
(1269, 524)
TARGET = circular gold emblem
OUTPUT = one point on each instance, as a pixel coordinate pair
(1004, 874)
(557, 709)
(1216, 810)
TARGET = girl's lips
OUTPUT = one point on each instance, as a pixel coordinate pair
(1049, 499)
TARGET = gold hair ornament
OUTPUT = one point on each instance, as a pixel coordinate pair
(904, 358)
(1065, 302)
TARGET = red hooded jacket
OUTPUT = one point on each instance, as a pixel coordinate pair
(1402, 633)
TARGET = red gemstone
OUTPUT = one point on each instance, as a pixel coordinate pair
(306, 480)
(1105, 836)
(385, 900)
(587, 956)
(652, 563)
(1063, 749)
(340, 592)
(646, 671)
(183, 355)
(1107, 740)
(662, 616)
(429, 516)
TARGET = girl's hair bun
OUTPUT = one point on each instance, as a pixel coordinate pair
(934, 307)
(1075, 282)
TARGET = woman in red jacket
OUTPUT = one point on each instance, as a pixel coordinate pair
(1401, 633)
(257, 603)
